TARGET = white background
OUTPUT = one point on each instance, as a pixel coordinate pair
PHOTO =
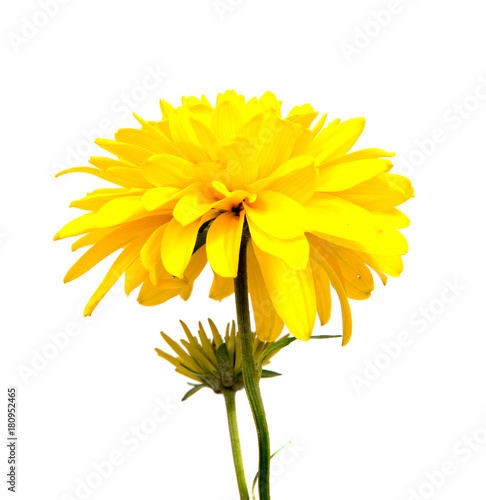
(418, 73)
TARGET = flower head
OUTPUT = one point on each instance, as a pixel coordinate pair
(317, 215)
(216, 362)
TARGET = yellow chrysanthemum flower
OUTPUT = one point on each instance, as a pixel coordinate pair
(318, 216)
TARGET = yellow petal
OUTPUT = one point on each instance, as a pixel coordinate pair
(119, 210)
(226, 120)
(167, 170)
(177, 246)
(380, 193)
(105, 163)
(336, 139)
(391, 219)
(296, 178)
(165, 144)
(292, 293)
(151, 295)
(205, 137)
(125, 177)
(337, 285)
(139, 138)
(158, 197)
(111, 242)
(221, 287)
(362, 154)
(346, 175)
(150, 256)
(95, 200)
(192, 206)
(275, 145)
(241, 167)
(303, 115)
(121, 264)
(350, 268)
(135, 275)
(185, 138)
(223, 243)
(323, 289)
(196, 264)
(391, 264)
(277, 215)
(126, 152)
(268, 323)
(91, 238)
(294, 251)
(337, 217)
(388, 243)
(80, 225)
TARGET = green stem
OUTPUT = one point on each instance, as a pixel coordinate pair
(250, 376)
(229, 398)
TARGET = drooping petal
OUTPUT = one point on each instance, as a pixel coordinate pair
(223, 243)
(268, 323)
(150, 256)
(294, 251)
(221, 287)
(323, 290)
(151, 295)
(350, 268)
(292, 293)
(337, 285)
(389, 264)
(177, 246)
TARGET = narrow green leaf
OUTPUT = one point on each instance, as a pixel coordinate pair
(269, 374)
(258, 473)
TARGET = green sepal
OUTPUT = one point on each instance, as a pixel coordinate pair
(276, 346)
(193, 391)
(225, 365)
(201, 235)
(269, 374)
